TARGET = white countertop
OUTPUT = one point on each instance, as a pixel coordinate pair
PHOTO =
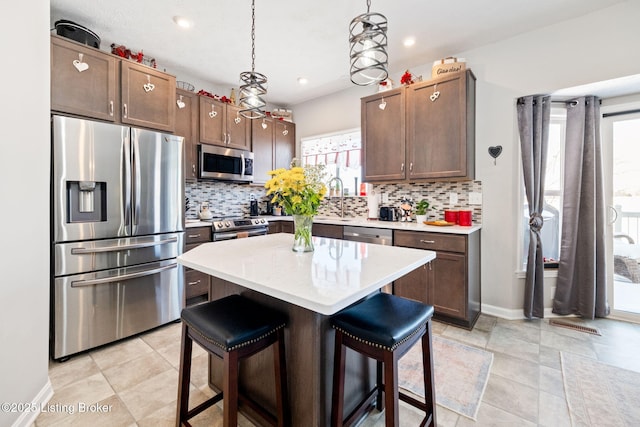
(395, 225)
(334, 276)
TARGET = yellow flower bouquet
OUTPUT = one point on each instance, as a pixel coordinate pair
(299, 191)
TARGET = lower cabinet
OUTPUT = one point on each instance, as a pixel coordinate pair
(196, 283)
(451, 282)
(320, 230)
(327, 230)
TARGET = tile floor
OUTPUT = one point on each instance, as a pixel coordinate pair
(137, 378)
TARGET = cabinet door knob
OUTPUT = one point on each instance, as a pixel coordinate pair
(411, 167)
(193, 283)
(111, 108)
(229, 141)
(402, 167)
(124, 110)
(427, 241)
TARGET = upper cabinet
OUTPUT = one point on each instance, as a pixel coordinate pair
(425, 131)
(273, 146)
(187, 126)
(91, 83)
(148, 96)
(83, 80)
(221, 124)
(383, 136)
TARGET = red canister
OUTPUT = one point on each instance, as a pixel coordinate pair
(465, 218)
(451, 216)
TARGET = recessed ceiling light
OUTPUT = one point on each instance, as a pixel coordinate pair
(182, 22)
(409, 41)
(302, 80)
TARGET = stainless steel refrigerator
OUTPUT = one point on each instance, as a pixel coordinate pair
(117, 227)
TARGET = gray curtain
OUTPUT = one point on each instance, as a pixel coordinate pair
(533, 122)
(581, 287)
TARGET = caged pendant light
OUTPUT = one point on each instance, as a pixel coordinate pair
(368, 44)
(254, 85)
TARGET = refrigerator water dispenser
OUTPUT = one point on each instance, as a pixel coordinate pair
(86, 201)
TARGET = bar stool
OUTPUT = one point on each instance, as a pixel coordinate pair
(232, 328)
(383, 327)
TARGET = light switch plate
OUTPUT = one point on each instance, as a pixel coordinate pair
(475, 198)
(453, 198)
(385, 197)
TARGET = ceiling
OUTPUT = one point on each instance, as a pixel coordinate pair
(304, 38)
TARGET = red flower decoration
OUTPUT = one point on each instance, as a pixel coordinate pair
(406, 78)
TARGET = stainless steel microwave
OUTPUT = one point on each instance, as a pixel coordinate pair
(227, 164)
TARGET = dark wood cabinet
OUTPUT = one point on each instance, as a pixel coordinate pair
(187, 126)
(426, 131)
(273, 145)
(284, 143)
(451, 282)
(83, 80)
(383, 136)
(91, 83)
(327, 230)
(148, 97)
(196, 288)
(286, 227)
(441, 128)
(220, 123)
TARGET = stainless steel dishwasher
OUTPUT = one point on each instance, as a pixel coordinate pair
(380, 236)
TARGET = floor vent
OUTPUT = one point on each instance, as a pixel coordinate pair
(575, 327)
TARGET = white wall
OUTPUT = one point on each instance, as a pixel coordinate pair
(595, 47)
(24, 194)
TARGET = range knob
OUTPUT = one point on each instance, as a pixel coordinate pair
(228, 224)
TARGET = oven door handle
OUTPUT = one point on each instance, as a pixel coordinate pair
(81, 283)
(82, 251)
(224, 236)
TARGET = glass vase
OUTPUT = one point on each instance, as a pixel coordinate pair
(302, 241)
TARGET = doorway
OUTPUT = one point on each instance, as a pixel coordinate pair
(621, 143)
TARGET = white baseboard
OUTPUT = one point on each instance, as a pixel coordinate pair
(28, 418)
(514, 314)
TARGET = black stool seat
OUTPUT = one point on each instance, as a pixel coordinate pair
(233, 322)
(383, 320)
(383, 327)
(233, 328)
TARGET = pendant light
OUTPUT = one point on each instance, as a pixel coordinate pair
(368, 44)
(254, 85)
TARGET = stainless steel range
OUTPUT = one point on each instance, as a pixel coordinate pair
(236, 228)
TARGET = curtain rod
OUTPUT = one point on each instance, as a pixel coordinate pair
(621, 113)
(568, 101)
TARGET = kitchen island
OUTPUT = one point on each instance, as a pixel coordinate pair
(309, 287)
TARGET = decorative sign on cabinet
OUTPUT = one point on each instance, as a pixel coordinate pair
(424, 131)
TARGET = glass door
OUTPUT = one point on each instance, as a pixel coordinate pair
(621, 142)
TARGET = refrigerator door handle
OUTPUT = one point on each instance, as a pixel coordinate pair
(81, 251)
(126, 178)
(136, 177)
(81, 283)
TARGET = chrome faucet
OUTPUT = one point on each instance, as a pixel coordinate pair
(335, 178)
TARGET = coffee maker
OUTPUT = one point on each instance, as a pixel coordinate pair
(253, 206)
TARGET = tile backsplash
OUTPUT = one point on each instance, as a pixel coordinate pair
(230, 199)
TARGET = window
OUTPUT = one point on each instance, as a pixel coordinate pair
(554, 182)
(340, 152)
